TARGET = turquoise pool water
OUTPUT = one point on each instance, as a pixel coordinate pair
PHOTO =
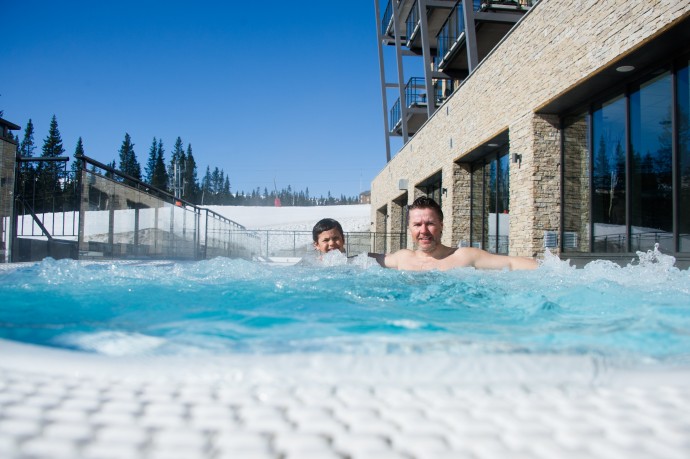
(222, 306)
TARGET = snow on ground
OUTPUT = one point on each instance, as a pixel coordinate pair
(353, 218)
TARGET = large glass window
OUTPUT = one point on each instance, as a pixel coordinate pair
(608, 177)
(651, 179)
(626, 169)
(433, 188)
(683, 110)
(491, 203)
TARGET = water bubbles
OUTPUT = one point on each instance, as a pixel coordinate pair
(227, 305)
(655, 259)
(334, 258)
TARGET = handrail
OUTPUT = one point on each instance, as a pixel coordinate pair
(387, 16)
(148, 187)
(35, 217)
(395, 114)
(412, 19)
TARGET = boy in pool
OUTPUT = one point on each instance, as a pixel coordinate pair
(328, 235)
(425, 222)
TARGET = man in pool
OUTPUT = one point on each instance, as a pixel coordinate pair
(425, 221)
(328, 235)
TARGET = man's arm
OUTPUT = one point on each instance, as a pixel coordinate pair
(379, 257)
(482, 259)
(387, 261)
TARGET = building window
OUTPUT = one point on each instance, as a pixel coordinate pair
(432, 188)
(618, 169)
(683, 129)
(608, 177)
(491, 203)
(651, 184)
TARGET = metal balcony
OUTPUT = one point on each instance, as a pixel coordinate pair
(435, 18)
(493, 20)
(415, 108)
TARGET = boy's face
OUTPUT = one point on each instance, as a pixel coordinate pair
(330, 240)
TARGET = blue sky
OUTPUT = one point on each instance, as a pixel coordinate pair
(271, 90)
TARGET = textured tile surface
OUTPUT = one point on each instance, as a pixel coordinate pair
(100, 408)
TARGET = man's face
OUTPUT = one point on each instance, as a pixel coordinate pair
(330, 240)
(426, 228)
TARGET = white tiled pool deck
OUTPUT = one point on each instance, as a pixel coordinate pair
(60, 404)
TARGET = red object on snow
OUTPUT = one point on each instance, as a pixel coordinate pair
(276, 202)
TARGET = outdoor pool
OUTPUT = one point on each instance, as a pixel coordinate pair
(634, 315)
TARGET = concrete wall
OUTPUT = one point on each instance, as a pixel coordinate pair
(554, 48)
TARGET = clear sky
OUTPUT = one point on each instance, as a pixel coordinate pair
(264, 90)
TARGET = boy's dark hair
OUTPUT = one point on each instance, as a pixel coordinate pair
(425, 202)
(326, 224)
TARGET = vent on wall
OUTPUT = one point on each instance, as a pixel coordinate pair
(550, 239)
(569, 239)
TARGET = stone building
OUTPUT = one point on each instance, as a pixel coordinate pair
(8, 154)
(567, 129)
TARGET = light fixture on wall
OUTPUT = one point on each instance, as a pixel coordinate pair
(402, 184)
(444, 191)
(517, 158)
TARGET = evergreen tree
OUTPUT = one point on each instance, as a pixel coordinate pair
(176, 166)
(52, 146)
(27, 147)
(111, 165)
(191, 182)
(151, 162)
(77, 163)
(128, 159)
(28, 169)
(206, 196)
(160, 174)
(72, 180)
(226, 191)
(216, 176)
(48, 173)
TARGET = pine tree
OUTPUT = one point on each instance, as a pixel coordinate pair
(151, 162)
(176, 166)
(28, 169)
(160, 175)
(27, 147)
(215, 180)
(191, 182)
(48, 173)
(111, 165)
(52, 146)
(128, 159)
(226, 191)
(77, 163)
(72, 180)
(206, 196)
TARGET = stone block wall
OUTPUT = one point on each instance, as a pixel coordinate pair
(8, 154)
(576, 173)
(554, 48)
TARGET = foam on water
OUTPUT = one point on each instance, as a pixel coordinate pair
(640, 312)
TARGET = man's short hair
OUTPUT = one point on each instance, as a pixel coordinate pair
(425, 202)
(326, 224)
